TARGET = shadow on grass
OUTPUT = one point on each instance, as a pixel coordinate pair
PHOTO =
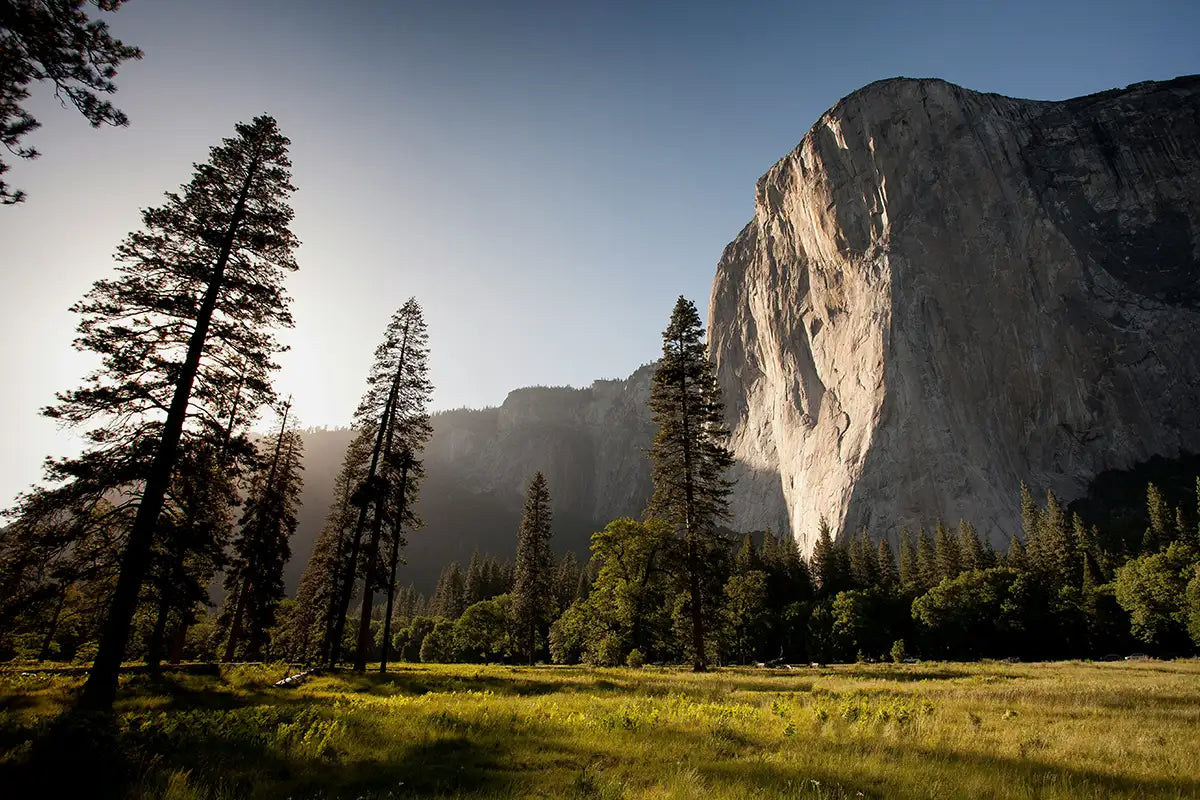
(521, 684)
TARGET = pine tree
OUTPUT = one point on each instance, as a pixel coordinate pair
(970, 549)
(476, 585)
(254, 581)
(320, 585)
(885, 566)
(566, 581)
(747, 558)
(1052, 552)
(55, 41)
(394, 409)
(449, 597)
(830, 563)
(928, 572)
(1030, 516)
(1157, 535)
(1016, 558)
(533, 582)
(689, 456)
(190, 544)
(909, 579)
(863, 567)
(946, 548)
(199, 290)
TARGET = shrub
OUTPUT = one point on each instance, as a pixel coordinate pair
(898, 651)
(635, 659)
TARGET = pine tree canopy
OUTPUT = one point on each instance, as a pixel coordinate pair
(533, 583)
(185, 334)
(689, 452)
(55, 41)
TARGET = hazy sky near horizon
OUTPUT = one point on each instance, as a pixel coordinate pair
(545, 177)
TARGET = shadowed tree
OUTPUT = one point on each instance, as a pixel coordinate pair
(401, 361)
(188, 318)
(533, 585)
(318, 594)
(55, 41)
(254, 580)
(689, 456)
(449, 596)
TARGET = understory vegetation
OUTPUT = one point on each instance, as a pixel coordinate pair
(985, 730)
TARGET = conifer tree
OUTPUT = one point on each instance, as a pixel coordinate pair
(689, 456)
(199, 291)
(55, 41)
(946, 548)
(254, 581)
(394, 410)
(746, 559)
(533, 582)
(1029, 514)
(1157, 535)
(190, 543)
(830, 563)
(566, 581)
(1016, 558)
(885, 565)
(970, 549)
(1052, 551)
(320, 585)
(928, 573)
(449, 597)
(476, 580)
(863, 569)
(909, 579)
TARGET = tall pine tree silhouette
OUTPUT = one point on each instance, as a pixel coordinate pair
(533, 584)
(689, 456)
(199, 290)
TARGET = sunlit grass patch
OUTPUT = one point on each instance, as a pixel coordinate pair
(912, 731)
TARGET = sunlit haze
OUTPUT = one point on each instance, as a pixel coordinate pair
(544, 177)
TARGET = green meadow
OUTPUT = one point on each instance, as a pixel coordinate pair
(931, 730)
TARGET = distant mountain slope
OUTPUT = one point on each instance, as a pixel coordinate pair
(591, 444)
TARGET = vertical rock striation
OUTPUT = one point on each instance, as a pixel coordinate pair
(943, 293)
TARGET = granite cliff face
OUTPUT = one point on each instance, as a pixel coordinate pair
(943, 293)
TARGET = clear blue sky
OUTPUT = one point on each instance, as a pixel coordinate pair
(546, 177)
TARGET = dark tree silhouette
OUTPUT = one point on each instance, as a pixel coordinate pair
(254, 580)
(55, 41)
(689, 453)
(188, 319)
(533, 586)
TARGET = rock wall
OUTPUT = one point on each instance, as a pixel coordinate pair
(944, 293)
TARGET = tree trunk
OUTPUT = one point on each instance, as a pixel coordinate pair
(100, 690)
(391, 589)
(179, 639)
(342, 606)
(699, 661)
(158, 633)
(44, 652)
(235, 624)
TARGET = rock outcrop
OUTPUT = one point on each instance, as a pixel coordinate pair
(945, 293)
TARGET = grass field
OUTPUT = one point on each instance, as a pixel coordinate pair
(1069, 730)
